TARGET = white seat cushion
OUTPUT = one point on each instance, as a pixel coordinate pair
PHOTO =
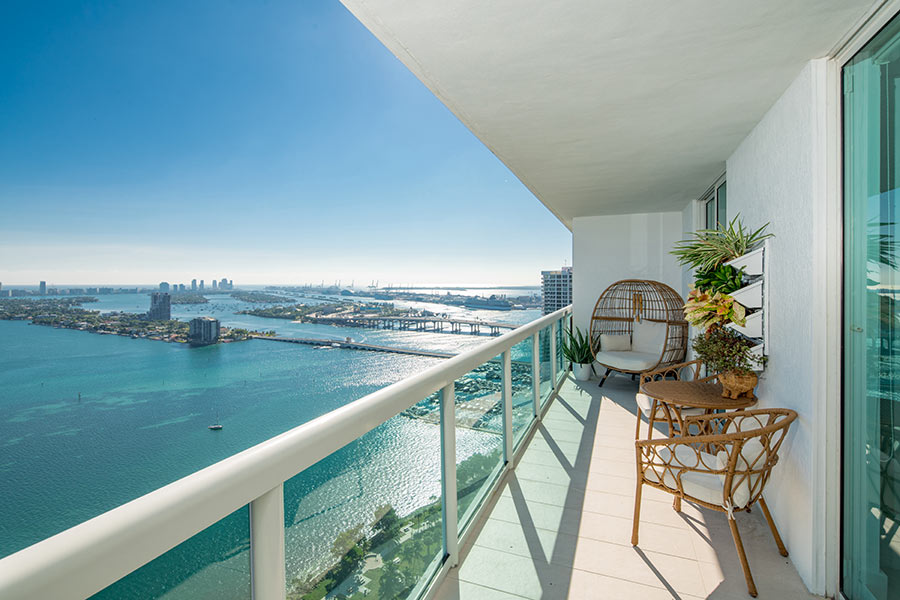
(628, 361)
(645, 403)
(648, 336)
(702, 486)
(753, 456)
(615, 343)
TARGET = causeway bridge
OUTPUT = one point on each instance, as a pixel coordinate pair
(411, 323)
(350, 345)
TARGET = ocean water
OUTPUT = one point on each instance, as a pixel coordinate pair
(89, 422)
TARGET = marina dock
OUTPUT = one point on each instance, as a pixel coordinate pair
(349, 345)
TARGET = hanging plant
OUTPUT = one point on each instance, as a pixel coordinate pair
(709, 248)
(705, 310)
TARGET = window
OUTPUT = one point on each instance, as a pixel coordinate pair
(714, 204)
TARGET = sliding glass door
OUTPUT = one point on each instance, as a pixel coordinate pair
(871, 329)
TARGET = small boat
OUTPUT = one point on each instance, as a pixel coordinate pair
(216, 426)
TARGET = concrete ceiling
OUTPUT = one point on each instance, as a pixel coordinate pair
(609, 106)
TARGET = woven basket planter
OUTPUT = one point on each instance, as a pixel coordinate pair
(737, 385)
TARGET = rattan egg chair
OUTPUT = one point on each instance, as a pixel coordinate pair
(649, 304)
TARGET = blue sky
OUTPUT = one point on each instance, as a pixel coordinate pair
(269, 142)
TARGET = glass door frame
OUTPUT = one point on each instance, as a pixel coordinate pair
(835, 265)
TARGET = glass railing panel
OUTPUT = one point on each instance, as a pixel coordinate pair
(561, 364)
(479, 436)
(365, 522)
(546, 375)
(522, 389)
(212, 565)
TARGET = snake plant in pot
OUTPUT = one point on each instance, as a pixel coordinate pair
(577, 349)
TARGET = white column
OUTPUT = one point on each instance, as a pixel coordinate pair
(267, 545)
(536, 373)
(507, 409)
(448, 475)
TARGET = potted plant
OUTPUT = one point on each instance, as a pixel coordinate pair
(577, 349)
(730, 354)
(707, 310)
(710, 248)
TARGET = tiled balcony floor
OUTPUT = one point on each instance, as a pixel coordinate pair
(561, 527)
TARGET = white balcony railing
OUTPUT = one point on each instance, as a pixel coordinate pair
(83, 560)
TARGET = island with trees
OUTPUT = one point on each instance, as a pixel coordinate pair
(67, 313)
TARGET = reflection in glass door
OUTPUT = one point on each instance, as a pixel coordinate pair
(871, 329)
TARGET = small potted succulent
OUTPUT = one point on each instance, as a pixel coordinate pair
(577, 349)
(731, 355)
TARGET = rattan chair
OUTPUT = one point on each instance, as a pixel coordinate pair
(655, 410)
(725, 471)
(629, 301)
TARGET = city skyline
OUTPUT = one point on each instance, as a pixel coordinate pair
(307, 152)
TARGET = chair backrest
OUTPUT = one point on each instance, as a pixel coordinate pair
(630, 300)
(749, 444)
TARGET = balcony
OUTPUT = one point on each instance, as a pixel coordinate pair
(560, 526)
(540, 508)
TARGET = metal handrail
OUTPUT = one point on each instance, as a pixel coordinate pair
(85, 559)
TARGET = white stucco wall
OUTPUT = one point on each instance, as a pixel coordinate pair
(607, 249)
(776, 175)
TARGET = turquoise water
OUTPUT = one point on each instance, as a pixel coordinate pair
(88, 422)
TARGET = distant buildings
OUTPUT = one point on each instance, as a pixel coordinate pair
(160, 307)
(225, 284)
(43, 288)
(164, 286)
(201, 285)
(556, 289)
(193, 285)
(203, 331)
(215, 284)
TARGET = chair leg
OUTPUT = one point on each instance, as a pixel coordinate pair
(637, 513)
(602, 381)
(637, 430)
(676, 503)
(781, 549)
(751, 587)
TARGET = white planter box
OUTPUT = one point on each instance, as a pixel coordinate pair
(750, 296)
(753, 326)
(752, 262)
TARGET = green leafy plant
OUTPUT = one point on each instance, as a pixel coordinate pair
(709, 248)
(577, 347)
(706, 310)
(724, 350)
(723, 278)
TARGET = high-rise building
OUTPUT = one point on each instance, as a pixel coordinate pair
(193, 285)
(164, 286)
(215, 284)
(201, 285)
(556, 289)
(180, 287)
(203, 331)
(225, 284)
(43, 287)
(160, 307)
